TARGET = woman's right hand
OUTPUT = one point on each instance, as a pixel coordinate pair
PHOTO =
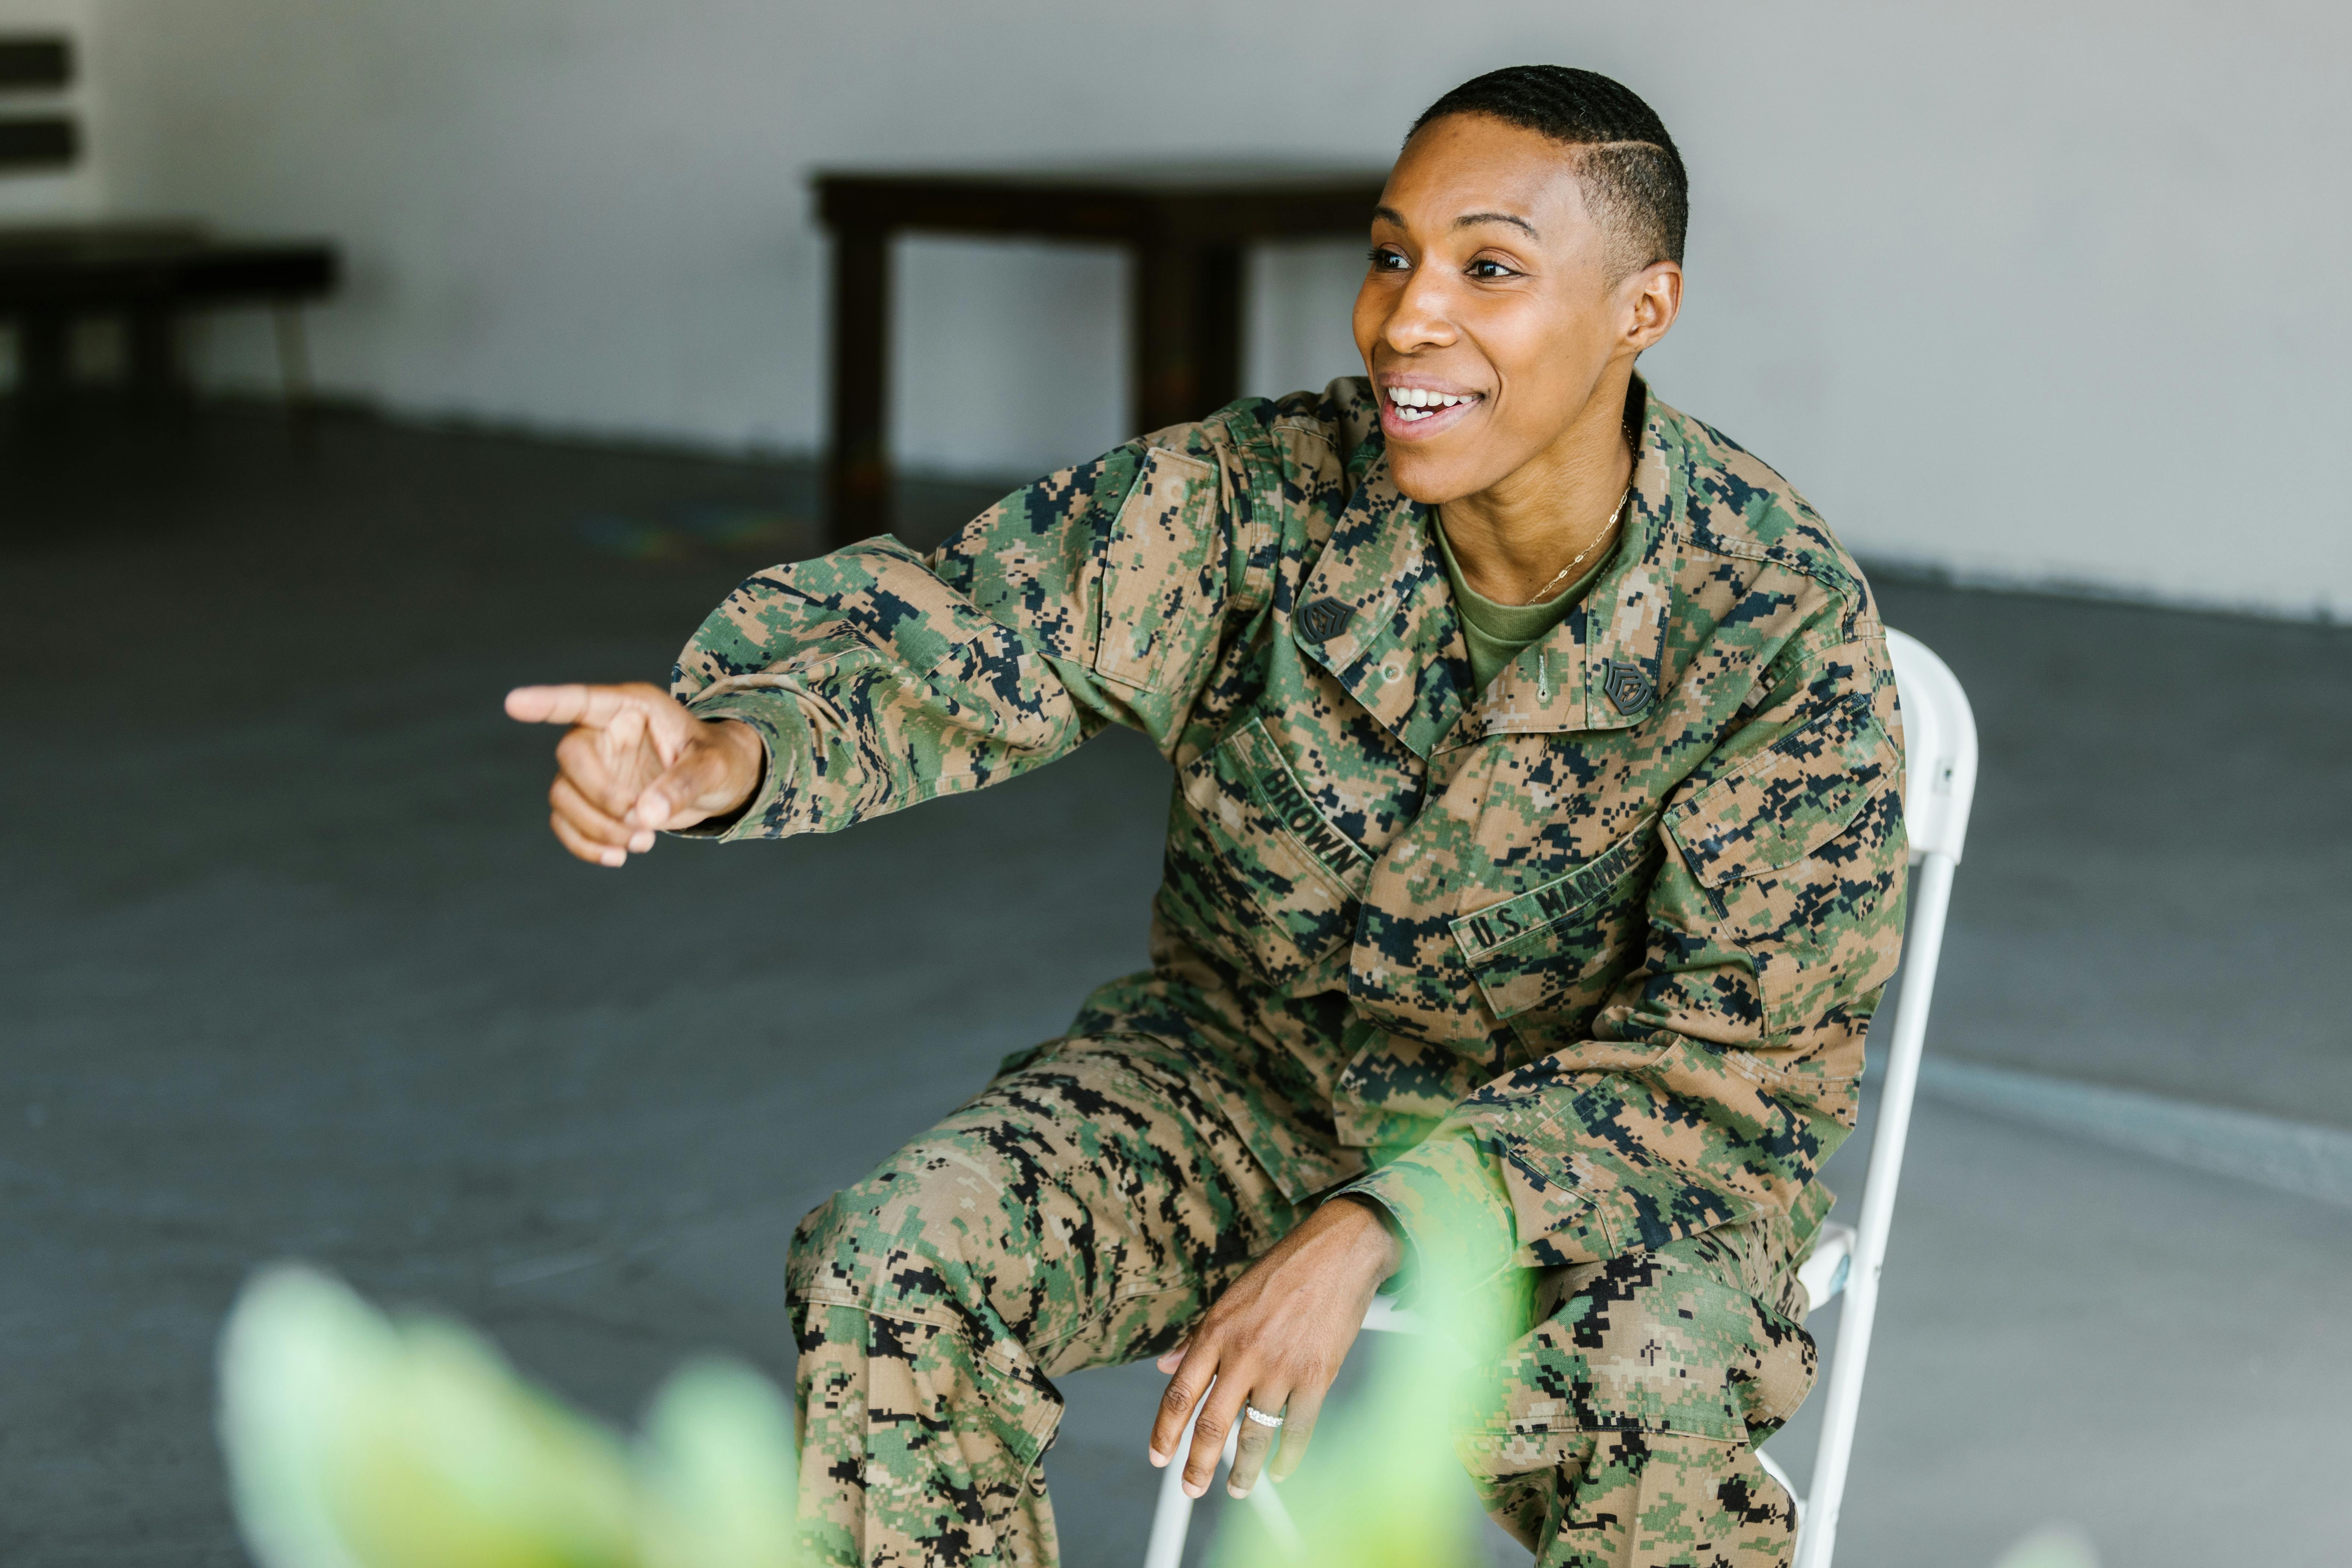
(636, 763)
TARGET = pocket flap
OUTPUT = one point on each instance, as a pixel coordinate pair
(1787, 803)
(1160, 548)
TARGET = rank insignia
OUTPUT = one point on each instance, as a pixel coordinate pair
(1323, 620)
(1626, 685)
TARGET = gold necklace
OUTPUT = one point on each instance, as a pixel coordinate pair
(1633, 448)
(1607, 528)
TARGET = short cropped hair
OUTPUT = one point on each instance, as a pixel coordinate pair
(1633, 177)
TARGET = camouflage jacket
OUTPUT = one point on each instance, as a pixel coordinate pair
(1586, 957)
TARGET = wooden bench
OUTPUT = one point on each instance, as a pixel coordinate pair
(148, 274)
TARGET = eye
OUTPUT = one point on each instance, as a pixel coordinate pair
(1487, 270)
(1386, 259)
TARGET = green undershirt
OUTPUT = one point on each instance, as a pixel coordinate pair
(1498, 634)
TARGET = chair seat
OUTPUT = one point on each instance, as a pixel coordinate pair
(101, 266)
(1824, 1270)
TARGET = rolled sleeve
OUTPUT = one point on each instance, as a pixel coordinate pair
(784, 741)
(1450, 1207)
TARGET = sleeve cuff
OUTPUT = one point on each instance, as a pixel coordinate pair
(783, 735)
(1448, 1200)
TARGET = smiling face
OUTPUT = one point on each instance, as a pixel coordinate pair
(1497, 340)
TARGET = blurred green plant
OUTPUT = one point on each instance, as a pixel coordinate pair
(1380, 1488)
(360, 1441)
(355, 1440)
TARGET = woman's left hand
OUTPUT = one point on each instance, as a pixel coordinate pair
(1276, 1339)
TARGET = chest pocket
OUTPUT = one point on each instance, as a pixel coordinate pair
(1159, 569)
(1545, 960)
(1258, 863)
(1787, 803)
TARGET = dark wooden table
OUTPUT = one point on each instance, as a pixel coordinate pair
(147, 273)
(1185, 226)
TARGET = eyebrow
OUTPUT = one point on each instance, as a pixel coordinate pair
(1391, 216)
(1466, 219)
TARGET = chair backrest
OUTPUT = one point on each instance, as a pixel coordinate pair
(1939, 746)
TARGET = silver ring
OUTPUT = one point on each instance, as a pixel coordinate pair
(1260, 1417)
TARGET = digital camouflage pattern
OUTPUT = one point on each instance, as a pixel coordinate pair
(1088, 1206)
(1081, 1213)
(1582, 962)
(1620, 1429)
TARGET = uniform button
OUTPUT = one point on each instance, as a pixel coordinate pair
(1320, 620)
(1391, 672)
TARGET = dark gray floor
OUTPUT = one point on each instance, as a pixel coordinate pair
(2158, 891)
(288, 966)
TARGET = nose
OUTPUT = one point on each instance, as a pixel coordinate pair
(1422, 316)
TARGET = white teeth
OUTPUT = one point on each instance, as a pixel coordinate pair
(1405, 399)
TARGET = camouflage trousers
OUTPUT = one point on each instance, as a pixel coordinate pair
(1088, 1207)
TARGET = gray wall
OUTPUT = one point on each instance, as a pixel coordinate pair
(2046, 292)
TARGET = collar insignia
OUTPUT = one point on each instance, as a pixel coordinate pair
(1626, 687)
(1320, 620)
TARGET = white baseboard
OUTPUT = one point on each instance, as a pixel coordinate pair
(2299, 1157)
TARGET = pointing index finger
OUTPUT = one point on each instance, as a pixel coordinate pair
(575, 704)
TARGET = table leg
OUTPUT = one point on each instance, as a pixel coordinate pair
(857, 477)
(1218, 325)
(42, 374)
(294, 374)
(1188, 306)
(157, 379)
(1166, 303)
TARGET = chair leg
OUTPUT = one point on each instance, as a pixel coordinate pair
(42, 370)
(158, 376)
(294, 373)
(1172, 1517)
(1931, 897)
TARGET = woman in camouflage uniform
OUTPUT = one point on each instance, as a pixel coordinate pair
(1534, 866)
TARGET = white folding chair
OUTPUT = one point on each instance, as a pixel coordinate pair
(1939, 744)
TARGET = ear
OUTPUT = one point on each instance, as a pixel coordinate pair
(1649, 302)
